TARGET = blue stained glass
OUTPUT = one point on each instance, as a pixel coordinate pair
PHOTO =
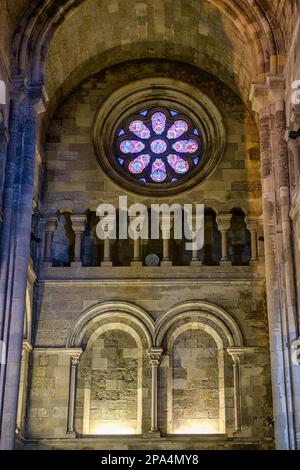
(196, 161)
(196, 132)
(143, 180)
(143, 113)
(121, 133)
(174, 113)
(173, 180)
(121, 161)
(158, 146)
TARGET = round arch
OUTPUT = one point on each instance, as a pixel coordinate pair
(205, 312)
(93, 317)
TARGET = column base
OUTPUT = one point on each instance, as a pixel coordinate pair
(166, 263)
(136, 264)
(76, 264)
(196, 262)
(71, 435)
(47, 264)
(106, 264)
(225, 262)
(155, 434)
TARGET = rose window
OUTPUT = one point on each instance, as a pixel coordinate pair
(158, 146)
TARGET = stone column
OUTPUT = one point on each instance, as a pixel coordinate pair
(136, 251)
(154, 360)
(72, 394)
(252, 226)
(106, 263)
(224, 223)
(26, 351)
(166, 226)
(236, 355)
(51, 225)
(268, 102)
(16, 233)
(78, 226)
(196, 254)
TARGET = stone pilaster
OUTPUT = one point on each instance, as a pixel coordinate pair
(74, 361)
(154, 355)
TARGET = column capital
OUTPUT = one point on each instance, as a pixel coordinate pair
(154, 355)
(38, 97)
(224, 221)
(259, 96)
(239, 352)
(75, 358)
(51, 224)
(78, 222)
(251, 222)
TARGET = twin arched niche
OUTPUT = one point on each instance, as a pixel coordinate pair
(178, 375)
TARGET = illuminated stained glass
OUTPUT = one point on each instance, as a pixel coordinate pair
(177, 129)
(132, 146)
(159, 146)
(159, 121)
(145, 142)
(158, 172)
(185, 146)
(139, 129)
(178, 164)
(139, 164)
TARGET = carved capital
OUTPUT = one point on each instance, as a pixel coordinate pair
(251, 222)
(78, 223)
(75, 359)
(38, 97)
(154, 355)
(51, 224)
(224, 222)
(259, 96)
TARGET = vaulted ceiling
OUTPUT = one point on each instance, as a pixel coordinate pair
(67, 40)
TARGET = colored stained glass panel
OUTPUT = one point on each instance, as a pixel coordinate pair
(185, 146)
(178, 164)
(158, 171)
(139, 164)
(177, 129)
(159, 146)
(159, 121)
(139, 129)
(132, 146)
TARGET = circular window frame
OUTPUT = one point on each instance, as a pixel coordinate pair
(159, 93)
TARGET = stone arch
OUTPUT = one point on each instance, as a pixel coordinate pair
(206, 311)
(94, 316)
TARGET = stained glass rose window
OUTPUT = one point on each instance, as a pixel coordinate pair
(158, 146)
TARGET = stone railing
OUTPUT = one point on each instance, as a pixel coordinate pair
(230, 239)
